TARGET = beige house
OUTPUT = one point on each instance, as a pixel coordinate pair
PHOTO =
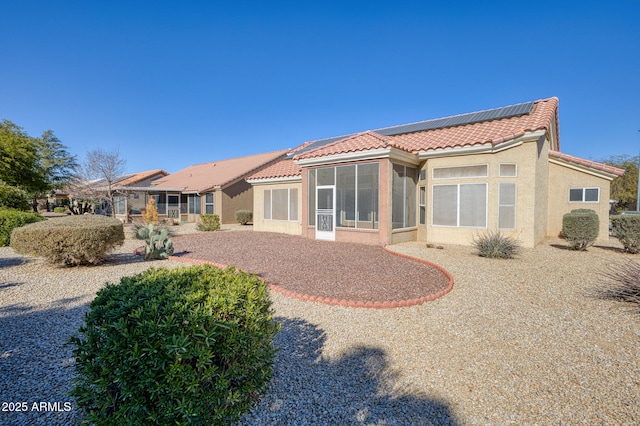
(439, 181)
(217, 187)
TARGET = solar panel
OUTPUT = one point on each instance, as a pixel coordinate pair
(438, 123)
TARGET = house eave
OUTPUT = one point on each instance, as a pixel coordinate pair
(283, 179)
(371, 154)
(588, 170)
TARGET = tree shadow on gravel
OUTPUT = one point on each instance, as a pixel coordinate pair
(36, 362)
(359, 388)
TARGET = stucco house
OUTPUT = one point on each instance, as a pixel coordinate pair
(439, 181)
(216, 187)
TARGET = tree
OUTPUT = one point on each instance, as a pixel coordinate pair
(32, 165)
(98, 174)
(624, 189)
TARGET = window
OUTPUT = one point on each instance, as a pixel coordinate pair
(281, 204)
(195, 204)
(120, 204)
(507, 206)
(208, 203)
(508, 170)
(356, 194)
(403, 196)
(184, 204)
(480, 170)
(422, 202)
(460, 205)
(584, 195)
(161, 202)
(423, 175)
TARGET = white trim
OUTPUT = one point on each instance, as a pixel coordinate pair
(486, 148)
(515, 205)
(275, 180)
(457, 225)
(460, 177)
(372, 154)
(507, 164)
(583, 169)
(584, 191)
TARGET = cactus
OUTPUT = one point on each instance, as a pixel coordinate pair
(159, 245)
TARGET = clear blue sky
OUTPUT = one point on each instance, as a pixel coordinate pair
(175, 83)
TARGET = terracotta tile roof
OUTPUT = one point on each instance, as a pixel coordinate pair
(282, 169)
(586, 163)
(359, 142)
(131, 180)
(201, 177)
(493, 131)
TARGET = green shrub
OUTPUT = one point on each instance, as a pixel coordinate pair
(11, 219)
(59, 209)
(626, 228)
(183, 346)
(209, 222)
(580, 228)
(495, 245)
(13, 198)
(244, 216)
(70, 240)
(159, 245)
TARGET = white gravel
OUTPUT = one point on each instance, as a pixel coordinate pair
(518, 341)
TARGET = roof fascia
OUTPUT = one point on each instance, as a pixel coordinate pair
(584, 169)
(486, 148)
(371, 154)
(283, 179)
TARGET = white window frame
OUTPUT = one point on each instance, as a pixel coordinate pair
(212, 204)
(422, 204)
(515, 203)
(507, 164)
(458, 185)
(486, 173)
(269, 215)
(584, 193)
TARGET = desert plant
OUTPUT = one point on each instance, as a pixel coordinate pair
(158, 243)
(182, 346)
(209, 222)
(11, 219)
(626, 228)
(622, 282)
(495, 245)
(70, 240)
(580, 228)
(150, 213)
(244, 216)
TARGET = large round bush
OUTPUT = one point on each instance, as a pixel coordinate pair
(183, 346)
(70, 240)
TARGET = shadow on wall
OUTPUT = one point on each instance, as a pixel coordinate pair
(357, 388)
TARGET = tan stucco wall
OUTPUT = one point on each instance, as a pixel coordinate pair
(281, 226)
(237, 196)
(530, 195)
(561, 179)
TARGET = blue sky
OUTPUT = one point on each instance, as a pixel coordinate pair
(172, 83)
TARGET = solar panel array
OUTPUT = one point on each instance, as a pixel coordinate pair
(438, 123)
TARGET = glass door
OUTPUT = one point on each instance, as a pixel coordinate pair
(325, 212)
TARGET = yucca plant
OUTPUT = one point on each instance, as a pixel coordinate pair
(495, 245)
(622, 283)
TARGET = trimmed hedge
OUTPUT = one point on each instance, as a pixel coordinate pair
(626, 228)
(209, 222)
(244, 216)
(192, 345)
(71, 240)
(14, 198)
(11, 219)
(495, 245)
(59, 209)
(580, 228)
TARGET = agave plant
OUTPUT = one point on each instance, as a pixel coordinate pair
(159, 245)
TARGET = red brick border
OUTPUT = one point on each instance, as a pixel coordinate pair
(349, 303)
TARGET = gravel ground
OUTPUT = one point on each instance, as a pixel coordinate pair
(341, 271)
(520, 341)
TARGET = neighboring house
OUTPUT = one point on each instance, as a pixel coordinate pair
(217, 187)
(440, 181)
